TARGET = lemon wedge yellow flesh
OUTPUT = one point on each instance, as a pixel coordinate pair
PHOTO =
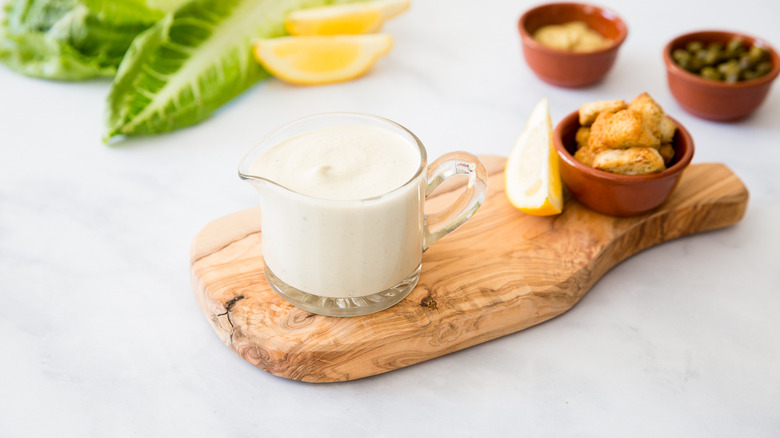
(532, 178)
(353, 18)
(313, 60)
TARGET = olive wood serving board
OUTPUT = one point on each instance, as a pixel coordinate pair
(501, 272)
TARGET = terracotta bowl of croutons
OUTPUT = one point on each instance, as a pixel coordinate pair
(619, 194)
(565, 65)
(719, 75)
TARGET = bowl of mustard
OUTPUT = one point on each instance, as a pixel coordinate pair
(571, 45)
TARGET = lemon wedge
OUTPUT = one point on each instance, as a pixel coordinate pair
(532, 180)
(353, 18)
(313, 60)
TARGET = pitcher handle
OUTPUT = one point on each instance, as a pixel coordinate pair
(454, 163)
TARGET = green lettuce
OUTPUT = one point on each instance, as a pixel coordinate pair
(191, 62)
(74, 39)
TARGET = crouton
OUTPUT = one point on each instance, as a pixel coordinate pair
(591, 110)
(582, 137)
(584, 155)
(653, 115)
(630, 161)
(667, 153)
(623, 129)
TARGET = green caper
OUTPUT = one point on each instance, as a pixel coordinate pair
(763, 68)
(682, 58)
(730, 70)
(694, 46)
(710, 73)
(735, 47)
(757, 54)
(712, 54)
(746, 62)
(749, 74)
(695, 64)
(730, 63)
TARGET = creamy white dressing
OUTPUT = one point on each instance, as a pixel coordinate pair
(341, 162)
(335, 241)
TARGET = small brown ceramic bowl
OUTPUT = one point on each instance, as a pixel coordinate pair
(613, 194)
(714, 100)
(566, 68)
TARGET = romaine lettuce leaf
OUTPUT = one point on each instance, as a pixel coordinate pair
(74, 39)
(191, 62)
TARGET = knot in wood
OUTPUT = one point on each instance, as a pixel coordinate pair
(429, 302)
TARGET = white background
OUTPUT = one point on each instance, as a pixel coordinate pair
(100, 334)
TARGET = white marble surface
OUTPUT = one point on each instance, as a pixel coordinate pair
(100, 334)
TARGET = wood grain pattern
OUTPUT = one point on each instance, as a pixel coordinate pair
(501, 272)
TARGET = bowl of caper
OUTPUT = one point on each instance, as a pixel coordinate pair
(720, 75)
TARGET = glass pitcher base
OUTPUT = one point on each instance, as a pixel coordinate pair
(353, 306)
